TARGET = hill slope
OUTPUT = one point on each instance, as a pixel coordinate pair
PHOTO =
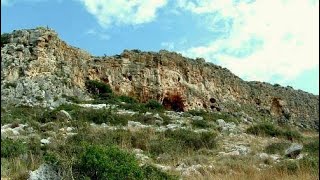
(38, 68)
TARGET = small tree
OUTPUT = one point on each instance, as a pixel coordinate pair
(98, 88)
(5, 39)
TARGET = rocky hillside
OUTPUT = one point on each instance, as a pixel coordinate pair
(38, 68)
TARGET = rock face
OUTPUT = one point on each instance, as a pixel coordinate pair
(37, 68)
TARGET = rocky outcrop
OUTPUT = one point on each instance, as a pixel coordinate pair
(37, 68)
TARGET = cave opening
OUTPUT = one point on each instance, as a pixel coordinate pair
(174, 102)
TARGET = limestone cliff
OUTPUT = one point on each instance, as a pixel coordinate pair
(37, 68)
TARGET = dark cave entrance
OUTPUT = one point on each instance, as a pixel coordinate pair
(174, 102)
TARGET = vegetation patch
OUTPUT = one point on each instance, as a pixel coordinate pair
(213, 116)
(268, 129)
(5, 39)
(98, 89)
(101, 116)
(10, 84)
(20, 114)
(191, 139)
(154, 105)
(12, 148)
(101, 162)
(73, 99)
(277, 148)
(151, 172)
(201, 124)
(127, 99)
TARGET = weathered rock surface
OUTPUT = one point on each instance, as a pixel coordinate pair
(44, 172)
(37, 68)
(294, 150)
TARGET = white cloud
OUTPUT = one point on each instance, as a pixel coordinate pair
(12, 2)
(266, 39)
(127, 12)
(168, 45)
(99, 34)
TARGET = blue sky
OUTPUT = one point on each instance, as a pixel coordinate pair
(276, 41)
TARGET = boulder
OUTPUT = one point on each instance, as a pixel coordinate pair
(44, 172)
(294, 150)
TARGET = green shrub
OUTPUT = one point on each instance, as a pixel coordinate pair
(22, 114)
(12, 148)
(145, 119)
(151, 105)
(140, 139)
(166, 120)
(197, 112)
(101, 116)
(139, 107)
(264, 129)
(291, 134)
(100, 162)
(208, 139)
(34, 145)
(312, 147)
(193, 140)
(128, 99)
(51, 158)
(165, 145)
(200, 124)
(105, 99)
(268, 129)
(10, 84)
(136, 50)
(5, 39)
(54, 115)
(151, 172)
(69, 107)
(48, 116)
(213, 116)
(98, 88)
(73, 99)
(277, 148)
(154, 105)
(310, 163)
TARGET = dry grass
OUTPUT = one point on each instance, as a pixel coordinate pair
(255, 174)
(15, 168)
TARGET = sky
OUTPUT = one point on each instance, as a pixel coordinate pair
(275, 41)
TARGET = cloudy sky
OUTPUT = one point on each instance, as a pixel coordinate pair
(276, 41)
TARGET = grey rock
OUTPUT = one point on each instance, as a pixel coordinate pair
(243, 150)
(44, 172)
(294, 150)
(197, 118)
(221, 122)
(45, 141)
(263, 156)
